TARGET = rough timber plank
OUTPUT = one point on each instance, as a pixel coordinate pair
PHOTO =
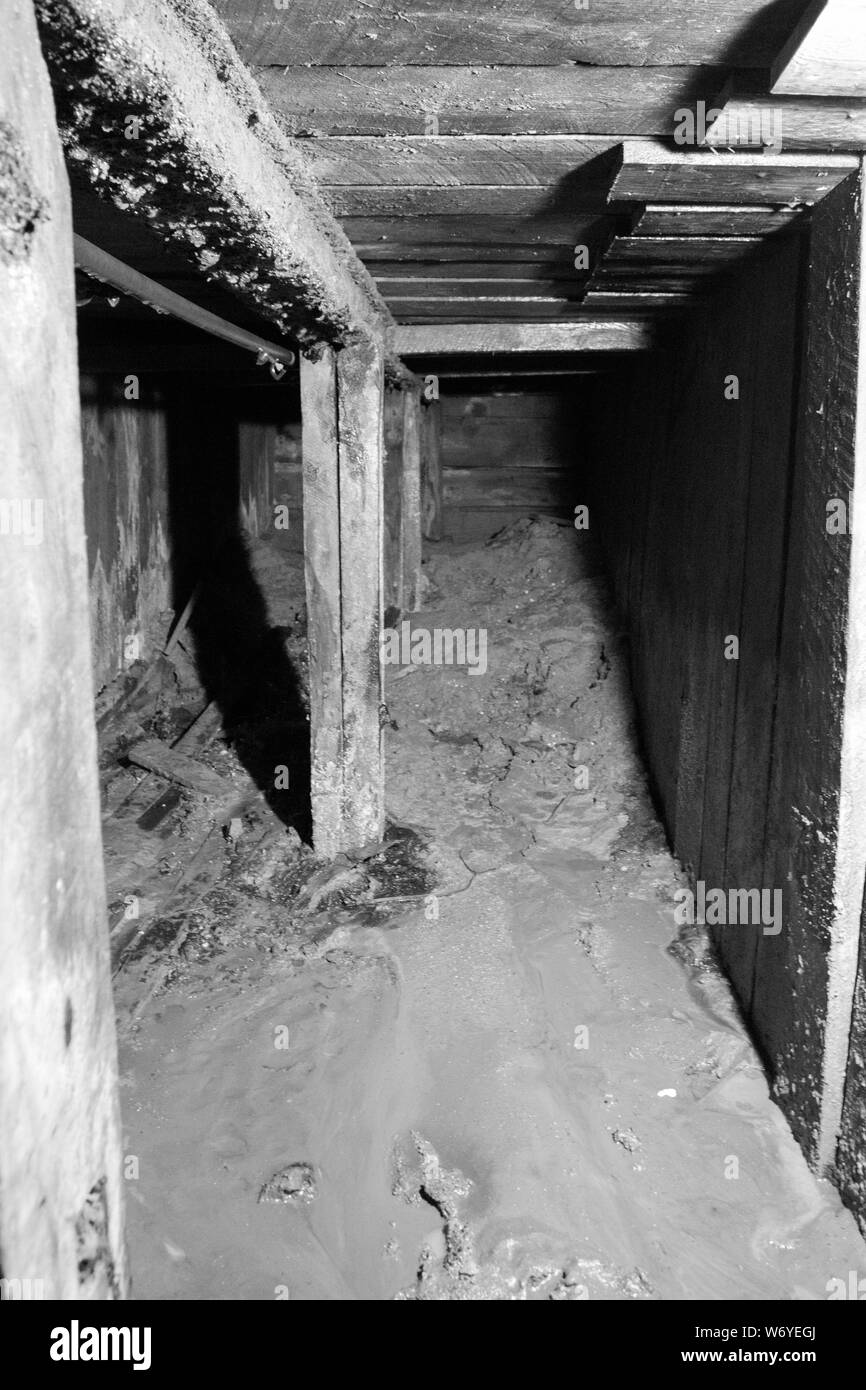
(510, 100)
(341, 406)
(592, 335)
(411, 502)
(805, 976)
(502, 236)
(320, 455)
(684, 220)
(567, 201)
(826, 54)
(668, 252)
(652, 172)
(431, 471)
(454, 161)
(392, 508)
(61, 1215)
(748, 116)
(203, 127)
(616, 32)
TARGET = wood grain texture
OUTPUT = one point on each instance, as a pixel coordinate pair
(512, 100)
(748, 116)
(590, 336)
(652, 172)
(608, 32)
(805, 976)
(730, 220)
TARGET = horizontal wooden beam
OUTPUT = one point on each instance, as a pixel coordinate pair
(503, 237)
(512, 100)
(669, 252)
(568, 201)
(637, 301)
(651, 171)
(455, 161)
(558, 265)
(750, 118)
(413, 287)
(731, 220)
(249, 214)
(826, 54)
(591, 335)
(606, 32)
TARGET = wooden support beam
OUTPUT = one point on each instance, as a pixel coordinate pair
(826, 54)
(392, 507)
(512, 100)
(651, 172)
(411, 501)
(669, 252)
(249, 199)
(726, 220)
(431, 470)
(454, 161)
(341, 404)
(749, 116)
(566, 200)
(61, 1213)
(588, 335)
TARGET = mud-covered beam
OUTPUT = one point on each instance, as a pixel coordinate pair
(159, 116)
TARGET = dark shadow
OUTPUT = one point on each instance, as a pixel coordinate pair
(242, 659)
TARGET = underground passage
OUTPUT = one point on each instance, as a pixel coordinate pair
(433, 733)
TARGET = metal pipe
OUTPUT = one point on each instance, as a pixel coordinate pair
(110, 271)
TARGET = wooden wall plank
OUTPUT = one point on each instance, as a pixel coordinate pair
(816, 850)
(685, 220)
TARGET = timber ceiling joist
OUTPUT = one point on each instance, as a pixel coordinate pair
(517, 170)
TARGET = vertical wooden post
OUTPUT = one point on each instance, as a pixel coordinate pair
(342, 433)
(393, 499)
(411, 508)
(61, 1213)
(431, 472)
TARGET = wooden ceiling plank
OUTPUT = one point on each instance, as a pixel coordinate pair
(826, 53)
(562, 100)
(498, 201)
(425, 32)
(588, 335)
(685, 220)
(499, 235)
(695, 251)
(409, 288)
(456, 161)
(749, 117)
(651, 171)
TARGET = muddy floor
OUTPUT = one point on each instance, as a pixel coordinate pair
(477, 1063)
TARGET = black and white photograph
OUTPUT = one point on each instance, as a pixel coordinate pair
(432, 671)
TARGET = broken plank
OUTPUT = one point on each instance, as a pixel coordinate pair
(651, 171)
(179, 767)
